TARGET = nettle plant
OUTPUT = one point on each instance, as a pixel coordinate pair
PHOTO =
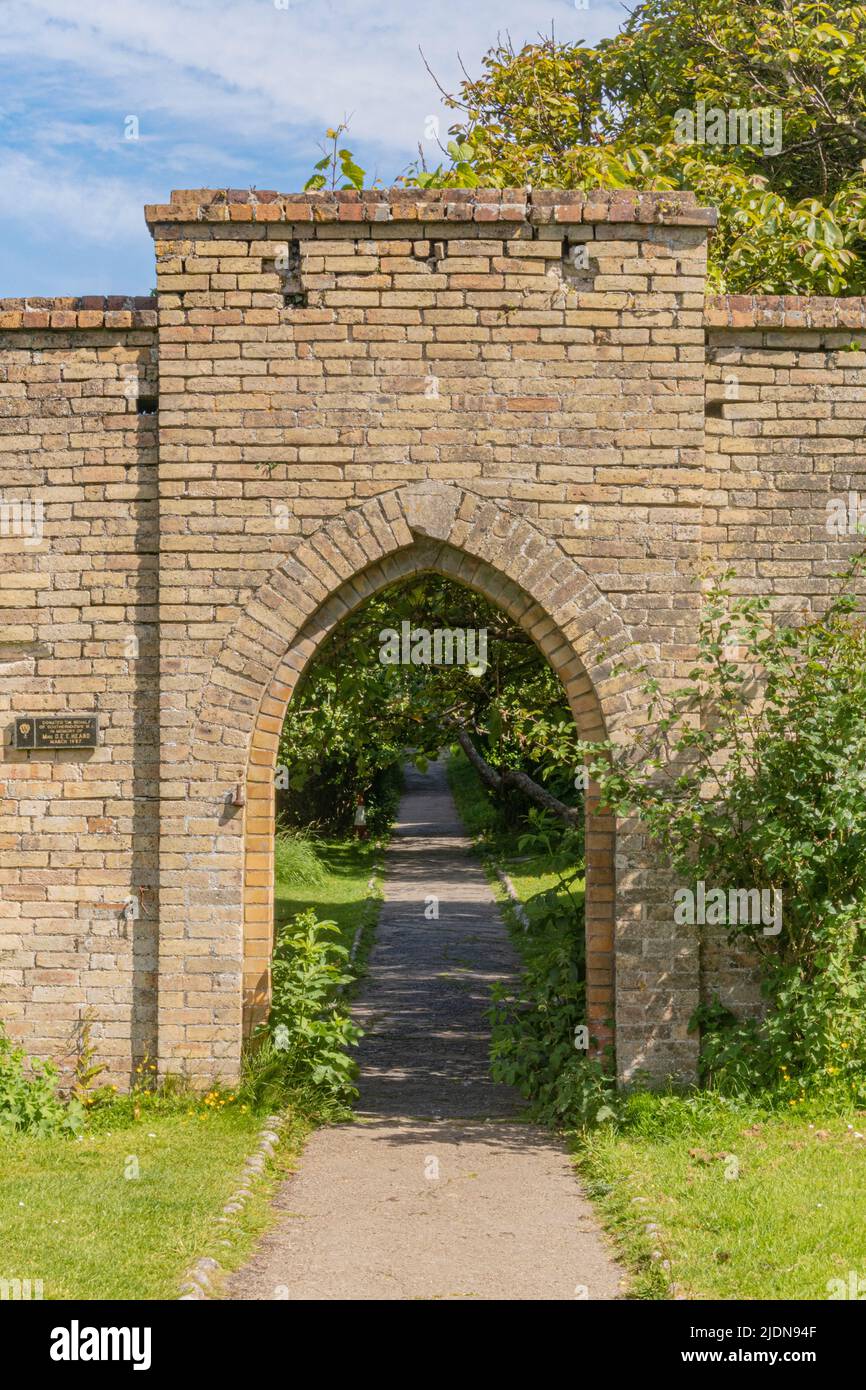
(754, 776)
(307, 1041)
(30, 1102)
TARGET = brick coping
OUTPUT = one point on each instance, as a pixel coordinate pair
(531, 206)
(81, 311)
(787, 311)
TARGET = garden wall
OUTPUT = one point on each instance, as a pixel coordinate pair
(509, 388)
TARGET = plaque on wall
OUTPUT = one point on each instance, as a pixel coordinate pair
(57, 731)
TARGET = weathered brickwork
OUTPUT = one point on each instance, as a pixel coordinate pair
(504, 388)
(786, 471)
(78, 592)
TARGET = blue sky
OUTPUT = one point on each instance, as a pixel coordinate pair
(225, 92)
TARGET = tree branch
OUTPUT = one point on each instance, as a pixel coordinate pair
(510, 777)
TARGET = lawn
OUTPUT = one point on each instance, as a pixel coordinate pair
(738, 1205)
(332, 877)
(74, 1214)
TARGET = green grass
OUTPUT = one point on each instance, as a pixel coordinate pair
(70, 1217)
(790, 1221)
(338, 891)
(477, 811)
(532, 875)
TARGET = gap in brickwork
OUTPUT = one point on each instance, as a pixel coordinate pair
(437, 254)
(287, 265)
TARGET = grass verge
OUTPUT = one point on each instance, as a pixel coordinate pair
(336, 885)
(124, 1211)
(706, 1199)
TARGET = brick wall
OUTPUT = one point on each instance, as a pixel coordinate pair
(78, 590)
(510, 389)
(786, 402)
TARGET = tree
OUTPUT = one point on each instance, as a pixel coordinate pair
(354, 714)
(790, 187)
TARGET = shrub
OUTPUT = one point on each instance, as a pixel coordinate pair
(754, 776)
(304, 1050)
(29, 1103)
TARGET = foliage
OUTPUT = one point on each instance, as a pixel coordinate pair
(336, 163)
(534, 1027)
(29, 1103)
(791, 219)
(562, 847)
(515, 709)
(753, 776)
(296, 860)
(305, 1051)
(792, 214)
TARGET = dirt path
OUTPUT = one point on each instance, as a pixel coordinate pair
(437, 1189)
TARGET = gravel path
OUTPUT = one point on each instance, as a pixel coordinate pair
(437, 1189)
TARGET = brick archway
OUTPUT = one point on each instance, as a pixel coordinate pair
(422, 527)
(420, 557)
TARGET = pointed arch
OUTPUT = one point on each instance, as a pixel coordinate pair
(425, 527)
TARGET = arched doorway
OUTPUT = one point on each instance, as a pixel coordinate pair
(502, 555)
(419, 559)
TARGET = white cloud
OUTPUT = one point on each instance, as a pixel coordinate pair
(48, 202)
(246, 65)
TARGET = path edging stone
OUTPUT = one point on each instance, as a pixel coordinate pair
(199, 1279)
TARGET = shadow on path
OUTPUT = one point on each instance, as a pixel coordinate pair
(437, 1189)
